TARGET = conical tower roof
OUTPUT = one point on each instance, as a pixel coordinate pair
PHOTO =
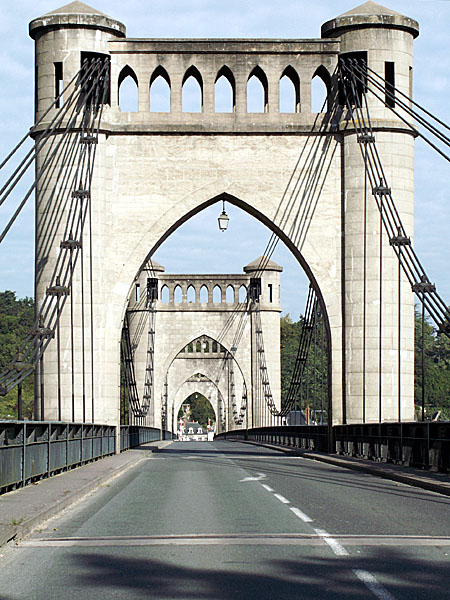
(76, 14)
(262, 264)
(369, 15)
(370, 8)
(155, 266)
(76, 8)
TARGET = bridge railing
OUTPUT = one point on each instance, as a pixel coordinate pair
(32, 450)
(135, 435)
(424, 445)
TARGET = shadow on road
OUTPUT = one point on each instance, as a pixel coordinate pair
(310, 577)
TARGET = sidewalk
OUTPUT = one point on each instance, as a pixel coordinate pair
(24, 509)
(427, 480)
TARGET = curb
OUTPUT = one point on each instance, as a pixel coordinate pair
(413, 479)
(10, 533)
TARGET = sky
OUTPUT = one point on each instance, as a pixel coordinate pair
(246, 238)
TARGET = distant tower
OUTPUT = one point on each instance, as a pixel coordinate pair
(269, 310)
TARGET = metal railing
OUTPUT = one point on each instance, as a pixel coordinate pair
(135, 435)
(420, 444)
(32, 450)
(425, 445)
(308, 437)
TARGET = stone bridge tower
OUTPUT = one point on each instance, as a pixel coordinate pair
(299, 173)
(205, 341)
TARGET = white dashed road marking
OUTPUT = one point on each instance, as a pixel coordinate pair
(282, 499)
(373, 584)
(267, 487)
(301, 515)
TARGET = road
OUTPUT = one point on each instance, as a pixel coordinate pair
(231, 521)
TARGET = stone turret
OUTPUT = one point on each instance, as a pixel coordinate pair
(62, 37)
(383, 40)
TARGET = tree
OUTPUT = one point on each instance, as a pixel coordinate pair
(200, 409)
(16, 321)
(436, 359)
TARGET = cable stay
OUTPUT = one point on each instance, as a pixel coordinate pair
(355, 96)
(367, 78)
(74, 191)
(238, 416)
(146, 309)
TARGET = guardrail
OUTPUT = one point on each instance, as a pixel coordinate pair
(32, 450)
(310, 437)
(135, 435)
(423, 444)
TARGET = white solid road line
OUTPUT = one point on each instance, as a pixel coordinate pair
(371, 582)
(301, 515)
(282, 499)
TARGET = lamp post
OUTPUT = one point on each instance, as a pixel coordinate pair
(223, 218)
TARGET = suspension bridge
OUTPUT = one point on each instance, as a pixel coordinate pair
(113, 349)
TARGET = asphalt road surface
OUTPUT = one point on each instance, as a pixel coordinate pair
(230, 521)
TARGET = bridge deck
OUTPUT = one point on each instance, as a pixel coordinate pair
(228, 520)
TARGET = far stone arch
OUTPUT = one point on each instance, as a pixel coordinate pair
(293, 104)
(163, 103)
(322, 78)
(128, 74)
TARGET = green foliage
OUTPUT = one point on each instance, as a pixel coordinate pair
(437, 370)
(200, 409)
(314, 380)
(16, 321)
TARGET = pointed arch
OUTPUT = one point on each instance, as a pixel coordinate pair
(165, 294)
(289, 91)
(217, 294)
(230, 294)
(225, 91)
(191, 294)
(127, 90)
(320, 90)
(204, 294)
(257, 91)
(243, 293)
(192, 91)
(177, 294)
(160, 90)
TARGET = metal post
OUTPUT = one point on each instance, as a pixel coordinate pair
(19, 402)
(423, 357)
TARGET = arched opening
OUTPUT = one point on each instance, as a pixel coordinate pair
(224, 351)
(204, 294)
(242, 294)
(177, 294)
(217, 294)
(160, 90)
(257, 92)
(320, 89)
(225, 91)
(165, 294)
(230, 294)
(196, 417)
(289, 92)
(192, 91)
(190, 296)
(128, 90)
